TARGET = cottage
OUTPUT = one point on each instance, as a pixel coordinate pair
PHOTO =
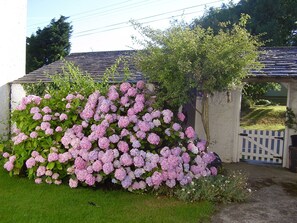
(280, 65)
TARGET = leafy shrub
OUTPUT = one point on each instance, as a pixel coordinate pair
(263, 102)
(116, 136)
(246, 104)
(220, 188)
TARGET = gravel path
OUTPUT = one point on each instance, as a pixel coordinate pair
(274, 197)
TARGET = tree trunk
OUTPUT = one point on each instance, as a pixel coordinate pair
(205, 117)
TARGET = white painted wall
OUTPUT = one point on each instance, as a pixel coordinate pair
(13, 16)
(17, 93)
(224, 124)
(292, 103)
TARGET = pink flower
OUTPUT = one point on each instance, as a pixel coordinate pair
(114, 138)
(68, 105)
(201, 145)
(33, 135)
(40, 171)
(73, 183)
(49, 131)
(39, 159)
(147, 117)
(120, 174)
(113, 94)
(79, 163)
(45, 125)
(47, 96)
(6, 155)
(34, 110)
(157, 179)
(144, 126)
(140, 85)
(107, 157)
(103, 143)
(132, 92)
(181, 116)
(52, 157)
(59, 129)
(97, 166)
(190, 132)
(8, 166)
(46, 110)
(90, 180)
(140, 98)
(69, 97)
(138, 161)
(124, 87)
(55, 176)
(186, 157)
(153, 139)
(30, 163)
(123, 146)
(85, 143)
(123, 122)
(213, 170)
(37, 116)
(47, 118)
(63, 117)
(38, 180)
(126, 159)
(124, 100)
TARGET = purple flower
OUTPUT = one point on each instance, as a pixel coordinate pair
(108, 156)
(47, 96)
(136, 144)
(165, 152)
(132, 92)
(144, 126)
(140, 98)
(176, 127)
(213, 171)
(90, 180)
(49, 131)
(108, 168)
(186, 157)
(153, 139)
(114, 138)
(126, 182)
(38, 180)
(138, 161)
(201, 145)
(59, 129)
(52, 157)
(147, 117)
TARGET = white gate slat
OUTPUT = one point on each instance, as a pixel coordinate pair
(261, 145)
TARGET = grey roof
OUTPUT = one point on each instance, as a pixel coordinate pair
(94, 63)
(279, 63)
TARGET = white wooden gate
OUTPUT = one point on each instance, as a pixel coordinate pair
(261, 145)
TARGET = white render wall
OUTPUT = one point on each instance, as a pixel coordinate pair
(292, 103)
(17, 93)
(13, 16)
(224, 121)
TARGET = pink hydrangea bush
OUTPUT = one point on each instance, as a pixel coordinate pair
(118, 136)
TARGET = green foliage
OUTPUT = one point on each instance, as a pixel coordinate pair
(275, 19)
(255, 91)
(219, 189)
(291, 120)
(48, 44)
(39, 88)
(180, 59)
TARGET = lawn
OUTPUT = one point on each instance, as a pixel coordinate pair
(264, 118)
(21, 200)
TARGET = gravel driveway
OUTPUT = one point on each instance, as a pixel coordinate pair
(274, 196)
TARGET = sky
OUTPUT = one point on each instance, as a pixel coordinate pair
(101, 25)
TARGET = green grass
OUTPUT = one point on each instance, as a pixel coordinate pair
(21, 200)
(264, 118)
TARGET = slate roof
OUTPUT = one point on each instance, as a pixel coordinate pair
(94, 63)
(279, 63)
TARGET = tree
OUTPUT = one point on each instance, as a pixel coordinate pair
(275, 19)
(48, 44)
(182, 61)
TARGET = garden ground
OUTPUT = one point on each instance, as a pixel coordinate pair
(274, 196)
